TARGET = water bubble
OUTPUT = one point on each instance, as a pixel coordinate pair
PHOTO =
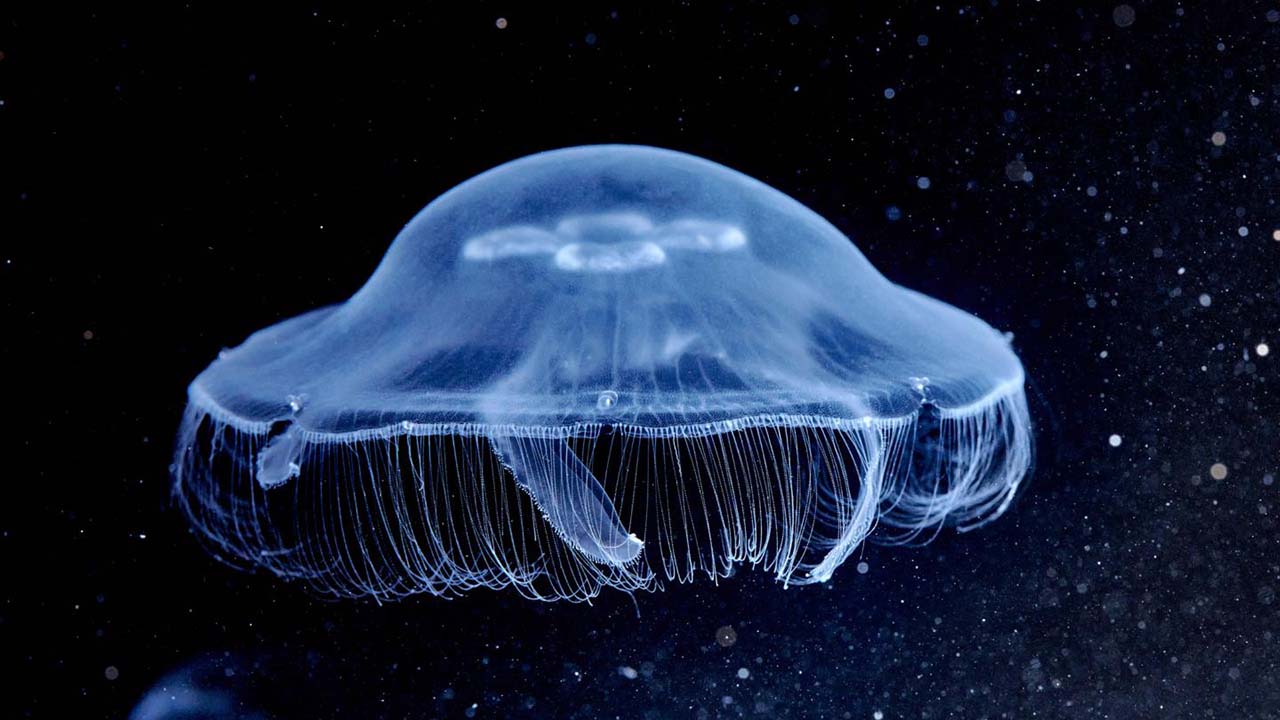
(1124, 15)
(726, 636)
(1017, 171)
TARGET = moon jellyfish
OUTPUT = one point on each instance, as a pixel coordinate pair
(604, 366)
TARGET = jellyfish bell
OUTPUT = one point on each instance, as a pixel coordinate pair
(675, 368)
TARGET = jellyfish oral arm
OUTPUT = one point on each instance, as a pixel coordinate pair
(861, 513)
(569, 497)
(280, 459)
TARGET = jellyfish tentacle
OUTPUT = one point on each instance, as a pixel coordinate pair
(569, 496)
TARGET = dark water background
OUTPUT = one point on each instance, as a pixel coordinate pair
(173, 179)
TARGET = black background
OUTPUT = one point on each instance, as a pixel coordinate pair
(171, 180)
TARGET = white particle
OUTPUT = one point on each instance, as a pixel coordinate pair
(628, 672)
(1244, 231)
(1114, 440)
(1091, 191)
(1219, 138)
(922, 183)
(889, 93)
(1205, 300)
(743, 673)
(1103, 354)
(1263, 349)
(863, 568)
(877, 715)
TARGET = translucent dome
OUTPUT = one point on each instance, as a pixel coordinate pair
(627, 292)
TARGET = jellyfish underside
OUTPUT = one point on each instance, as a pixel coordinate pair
(662, 369)
(391, 514)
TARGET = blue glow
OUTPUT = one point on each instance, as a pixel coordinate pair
(679, 367)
